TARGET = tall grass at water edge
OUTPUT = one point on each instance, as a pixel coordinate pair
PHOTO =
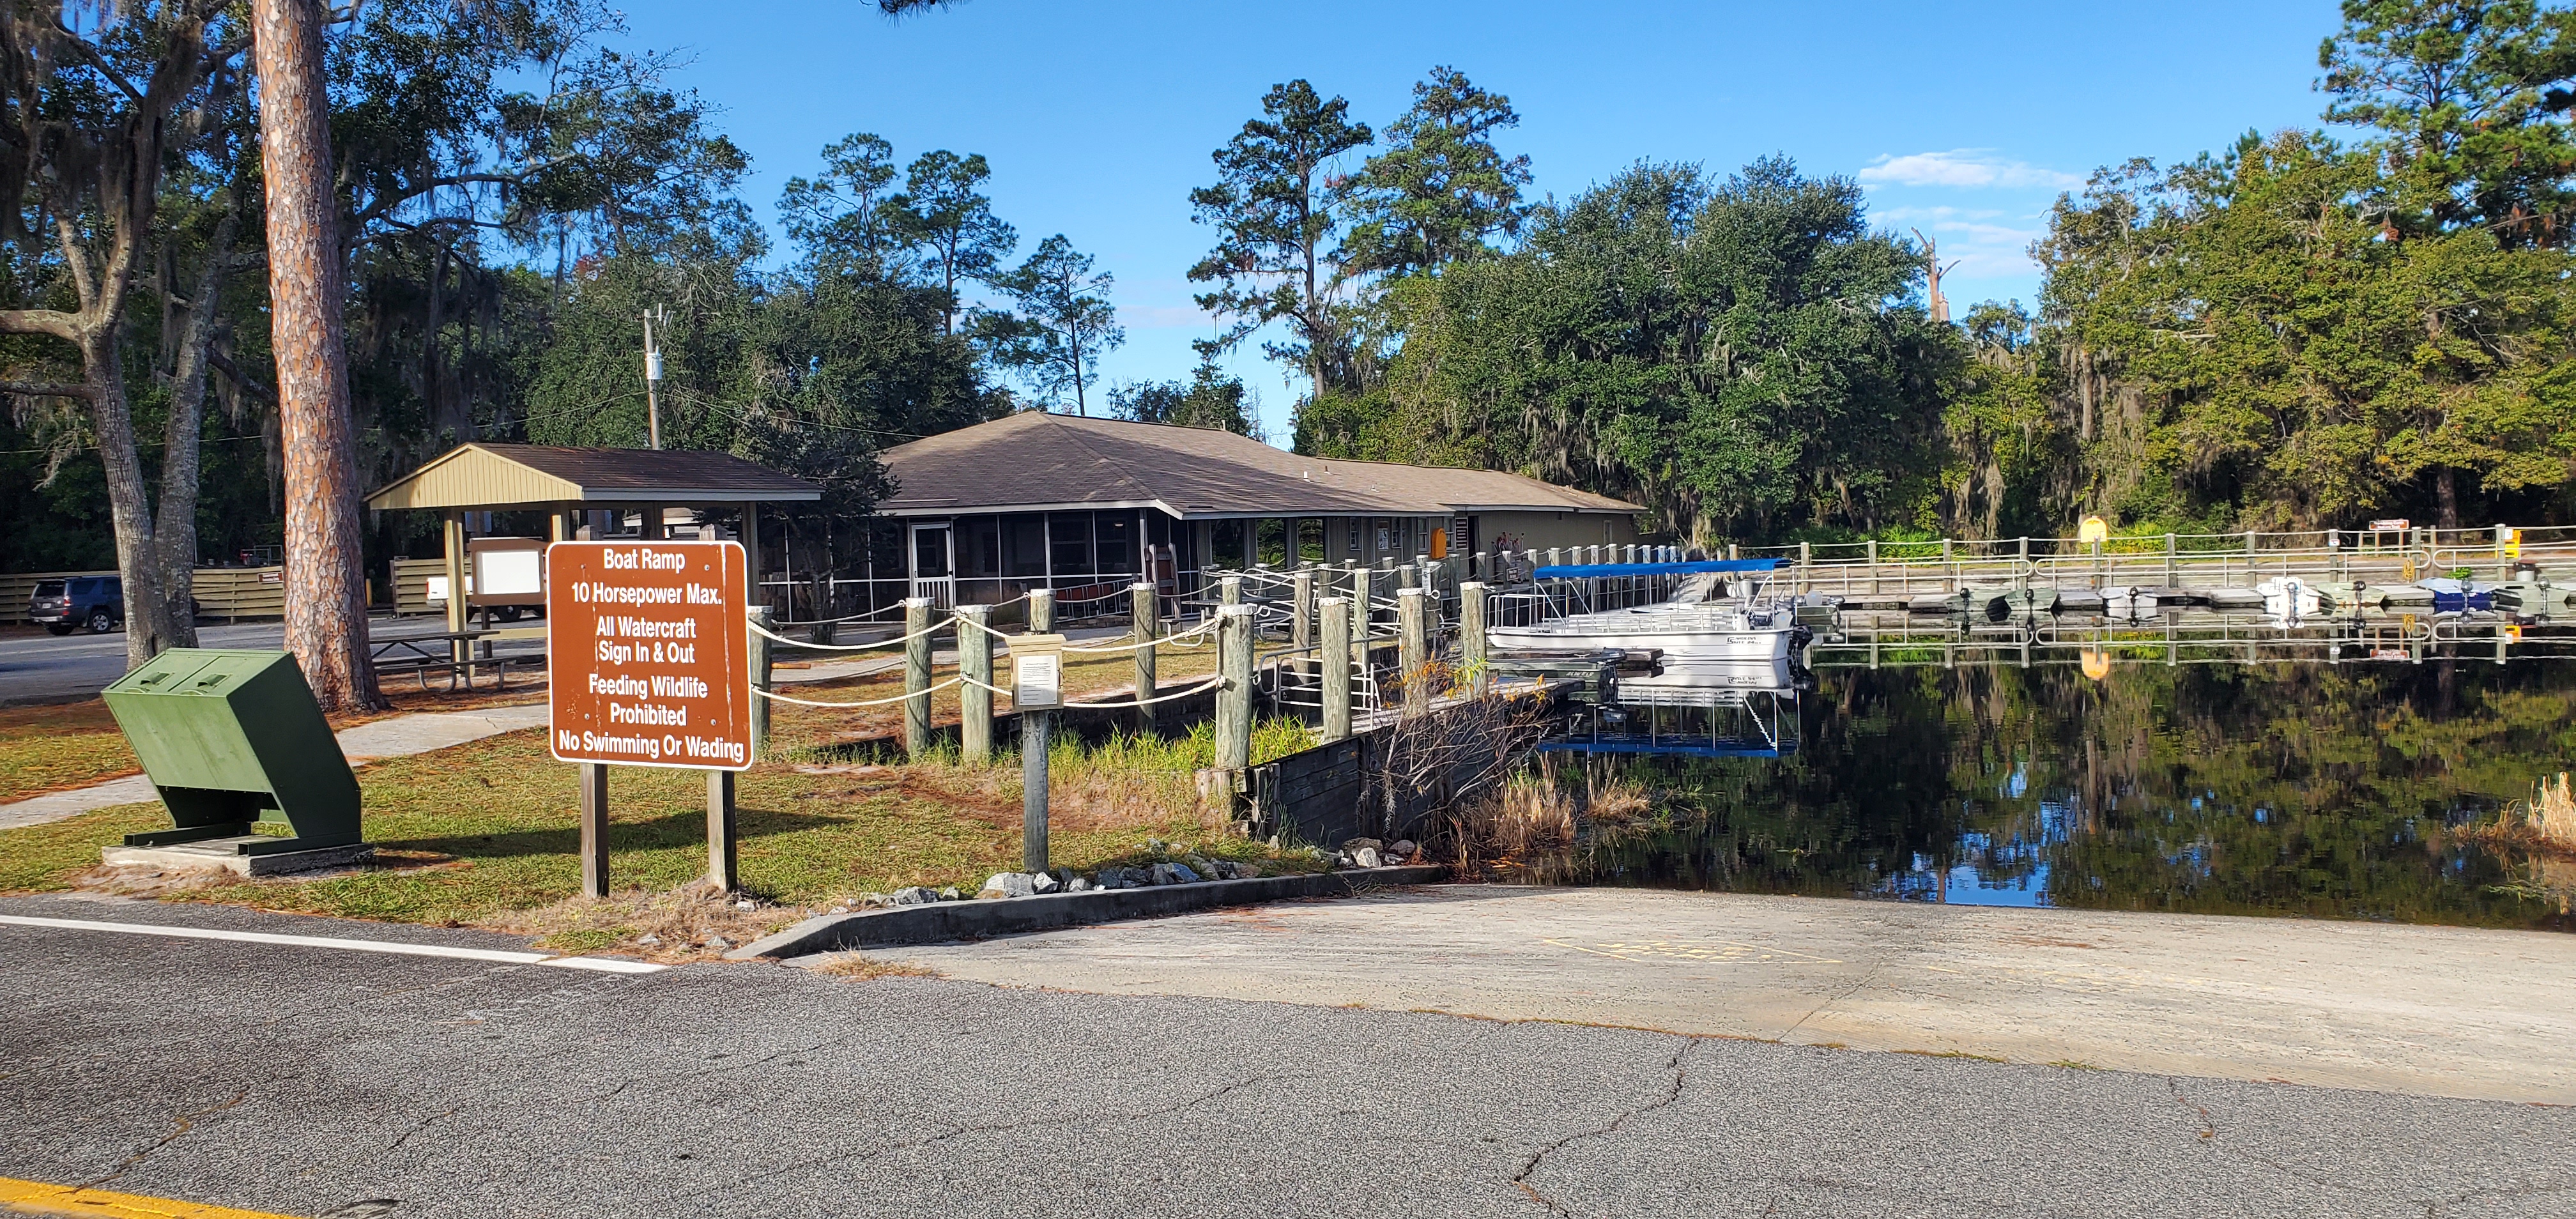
(1541, 810)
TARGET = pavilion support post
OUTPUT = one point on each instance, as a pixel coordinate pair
(916, 677)
(721, 855)
(751, 554)
(656, 526)
(1147, 626)
(454, 535)
(1471, 635)
(974, 702)
(594, 829)
(1336, 612)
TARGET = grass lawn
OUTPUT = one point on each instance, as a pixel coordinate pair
(484, 834)
(46, 749)
(67, 745)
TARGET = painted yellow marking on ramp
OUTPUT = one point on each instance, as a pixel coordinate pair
(38, 1198)
(1690, 950)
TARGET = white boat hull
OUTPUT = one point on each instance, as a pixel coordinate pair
(1683, 645)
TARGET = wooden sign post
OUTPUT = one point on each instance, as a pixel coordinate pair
(648, 653)
(1037, 688)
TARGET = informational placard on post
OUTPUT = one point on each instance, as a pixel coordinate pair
(647, 654)
(1037, 672)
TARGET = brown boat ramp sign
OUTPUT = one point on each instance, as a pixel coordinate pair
(646, 646)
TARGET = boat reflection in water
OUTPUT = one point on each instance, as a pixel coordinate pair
(2319, 789)
(1708, 710)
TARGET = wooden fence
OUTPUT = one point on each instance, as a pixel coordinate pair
(229, 593)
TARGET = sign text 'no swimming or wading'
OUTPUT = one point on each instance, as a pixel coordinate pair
(647, 654)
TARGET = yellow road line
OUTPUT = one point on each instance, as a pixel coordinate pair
(38, 1198)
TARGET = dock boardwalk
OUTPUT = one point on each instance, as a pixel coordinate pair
(1893, 574)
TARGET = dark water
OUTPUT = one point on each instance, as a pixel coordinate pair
(2282, 789)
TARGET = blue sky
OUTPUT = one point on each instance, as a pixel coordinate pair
(1964, 120)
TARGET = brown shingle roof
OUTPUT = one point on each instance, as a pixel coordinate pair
(486, 475)
(1036, 460)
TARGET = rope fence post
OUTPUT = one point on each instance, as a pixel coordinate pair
(758, 647)
(1042, 611)
(1229, 590)
(974, 702)
(1234, 697)
(1337, 667)
(916, 676)
(1147, 624)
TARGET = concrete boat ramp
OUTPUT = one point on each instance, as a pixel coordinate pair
(2440, 1011)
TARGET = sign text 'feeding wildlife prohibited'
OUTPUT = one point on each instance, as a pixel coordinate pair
(647, 654)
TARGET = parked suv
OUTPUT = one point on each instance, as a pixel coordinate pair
(96, 602)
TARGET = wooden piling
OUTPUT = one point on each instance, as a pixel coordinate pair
(974, 702)
(1234, 696)
(1363, 588)
(1042, 611)
(1471, 635)
(1229, 590)
(1336, 612)
(1413, 646)
(1147, 625)
(916, 676)
(1301, 609)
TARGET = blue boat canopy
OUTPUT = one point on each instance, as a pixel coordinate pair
(1571, 571)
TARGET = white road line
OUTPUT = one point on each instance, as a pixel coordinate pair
(503, 956)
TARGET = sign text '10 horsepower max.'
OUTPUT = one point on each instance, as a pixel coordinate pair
(646, 651)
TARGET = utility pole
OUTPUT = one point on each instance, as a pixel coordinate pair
(653, 376)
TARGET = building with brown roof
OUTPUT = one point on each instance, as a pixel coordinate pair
(1087, 505)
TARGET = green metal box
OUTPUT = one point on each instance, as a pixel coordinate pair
(232, 738)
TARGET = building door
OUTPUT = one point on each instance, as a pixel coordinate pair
(934, 570)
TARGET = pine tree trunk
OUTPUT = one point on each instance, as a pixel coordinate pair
(2446, 498)
(326, 609)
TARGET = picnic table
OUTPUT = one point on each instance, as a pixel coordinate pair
(438, 651)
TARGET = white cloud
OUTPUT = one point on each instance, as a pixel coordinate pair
(1965, 167)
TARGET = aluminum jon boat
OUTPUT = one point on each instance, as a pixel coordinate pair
(1691, 630)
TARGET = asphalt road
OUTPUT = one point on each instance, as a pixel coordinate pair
(303, 1080)
(39, 668)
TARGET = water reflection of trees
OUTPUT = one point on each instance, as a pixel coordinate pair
(2276, 789)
